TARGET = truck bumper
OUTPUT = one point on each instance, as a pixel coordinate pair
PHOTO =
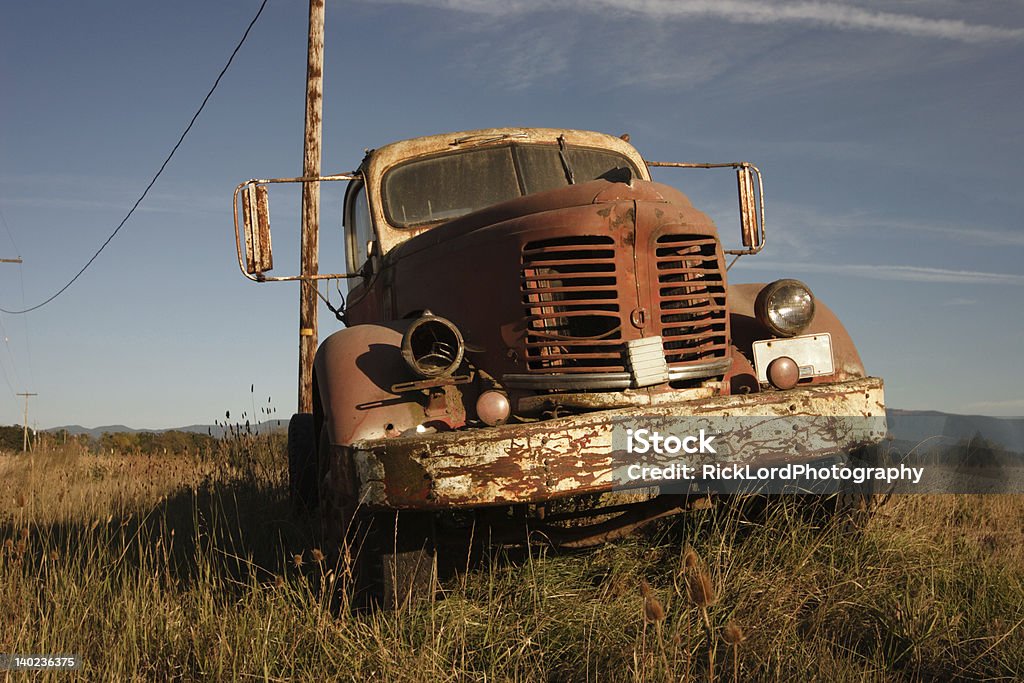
(541, 461)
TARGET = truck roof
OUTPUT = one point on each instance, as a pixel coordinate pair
(379, 160)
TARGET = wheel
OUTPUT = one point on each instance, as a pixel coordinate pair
(389, 555)
(852, 506)
(302, 461)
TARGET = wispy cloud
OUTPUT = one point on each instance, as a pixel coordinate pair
(1005, 408)
(802, 221)
(826, 14)
(899, 273)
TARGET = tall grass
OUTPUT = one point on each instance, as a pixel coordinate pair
(154, 568)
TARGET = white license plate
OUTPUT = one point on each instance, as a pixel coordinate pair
(811, 352)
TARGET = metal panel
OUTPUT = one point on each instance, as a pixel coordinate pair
(574, 455)
(811, 352)
(256, 218)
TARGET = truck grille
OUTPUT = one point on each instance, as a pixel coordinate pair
(691, 299)
(570, 292)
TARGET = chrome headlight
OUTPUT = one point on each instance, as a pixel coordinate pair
(786, 307)
(433, 346)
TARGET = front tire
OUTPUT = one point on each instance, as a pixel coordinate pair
(302, 461)
(389, 555)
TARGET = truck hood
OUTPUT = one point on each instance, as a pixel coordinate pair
(582, 194)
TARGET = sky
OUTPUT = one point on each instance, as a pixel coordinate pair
(888, 134)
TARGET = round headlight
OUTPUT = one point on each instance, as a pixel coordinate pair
(433, 346)
(786, 307)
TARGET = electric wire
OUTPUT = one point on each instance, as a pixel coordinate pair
(155, 177)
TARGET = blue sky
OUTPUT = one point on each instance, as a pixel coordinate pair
(888, 133)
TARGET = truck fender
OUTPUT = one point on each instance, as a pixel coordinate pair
(746, 329)
(354, 370)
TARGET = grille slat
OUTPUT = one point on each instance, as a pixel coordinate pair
(691, 299)
(570, 291)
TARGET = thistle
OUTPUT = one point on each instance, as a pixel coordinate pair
(733, 635)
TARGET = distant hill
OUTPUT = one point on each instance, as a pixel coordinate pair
(926, 426)
(216, 431)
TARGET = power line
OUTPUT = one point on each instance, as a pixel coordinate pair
(155, 177)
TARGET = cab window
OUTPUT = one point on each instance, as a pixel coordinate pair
(358, 226)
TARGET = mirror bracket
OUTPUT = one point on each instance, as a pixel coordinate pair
(751, 197)
(252, 236)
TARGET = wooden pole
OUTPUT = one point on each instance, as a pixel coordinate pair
(24, 440)
(311, 204)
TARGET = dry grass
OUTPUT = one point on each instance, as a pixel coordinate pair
(154, 568)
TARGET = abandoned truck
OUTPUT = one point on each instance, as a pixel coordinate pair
(513, 291)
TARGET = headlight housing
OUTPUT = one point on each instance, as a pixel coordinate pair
(433, 346)
(786, 307)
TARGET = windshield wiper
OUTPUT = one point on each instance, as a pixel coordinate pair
(484, 139)
(569, 175)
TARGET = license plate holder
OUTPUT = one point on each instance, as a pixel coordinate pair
(811, 352)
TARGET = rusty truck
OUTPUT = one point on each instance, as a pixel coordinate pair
(513, 292)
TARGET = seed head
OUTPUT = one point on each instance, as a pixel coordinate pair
(318, 556)
(733, 634)
(278, 582)
(24, 534)
(645, 589)
(690, 558)
(297, 561)
(700, 590)
(653, 611)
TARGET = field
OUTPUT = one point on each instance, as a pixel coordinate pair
(179, 567)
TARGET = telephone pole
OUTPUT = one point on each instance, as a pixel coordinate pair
(24, 442)
(311, 204)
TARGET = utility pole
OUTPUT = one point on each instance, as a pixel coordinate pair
(310, 252)
(24, 441)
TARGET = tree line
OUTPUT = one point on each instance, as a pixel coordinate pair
(144, 443)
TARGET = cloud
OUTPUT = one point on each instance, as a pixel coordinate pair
(979, 237)
(898, 273)
(831, 15)
(1008, 407)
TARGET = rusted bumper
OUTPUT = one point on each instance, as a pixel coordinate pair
(541, 461)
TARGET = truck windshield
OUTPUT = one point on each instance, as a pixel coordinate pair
(447, 186)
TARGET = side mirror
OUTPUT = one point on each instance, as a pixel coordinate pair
(252, 232)
(259, 256)
(751, 221)
(751, 193)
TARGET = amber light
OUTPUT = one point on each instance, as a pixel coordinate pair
(783, 373)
